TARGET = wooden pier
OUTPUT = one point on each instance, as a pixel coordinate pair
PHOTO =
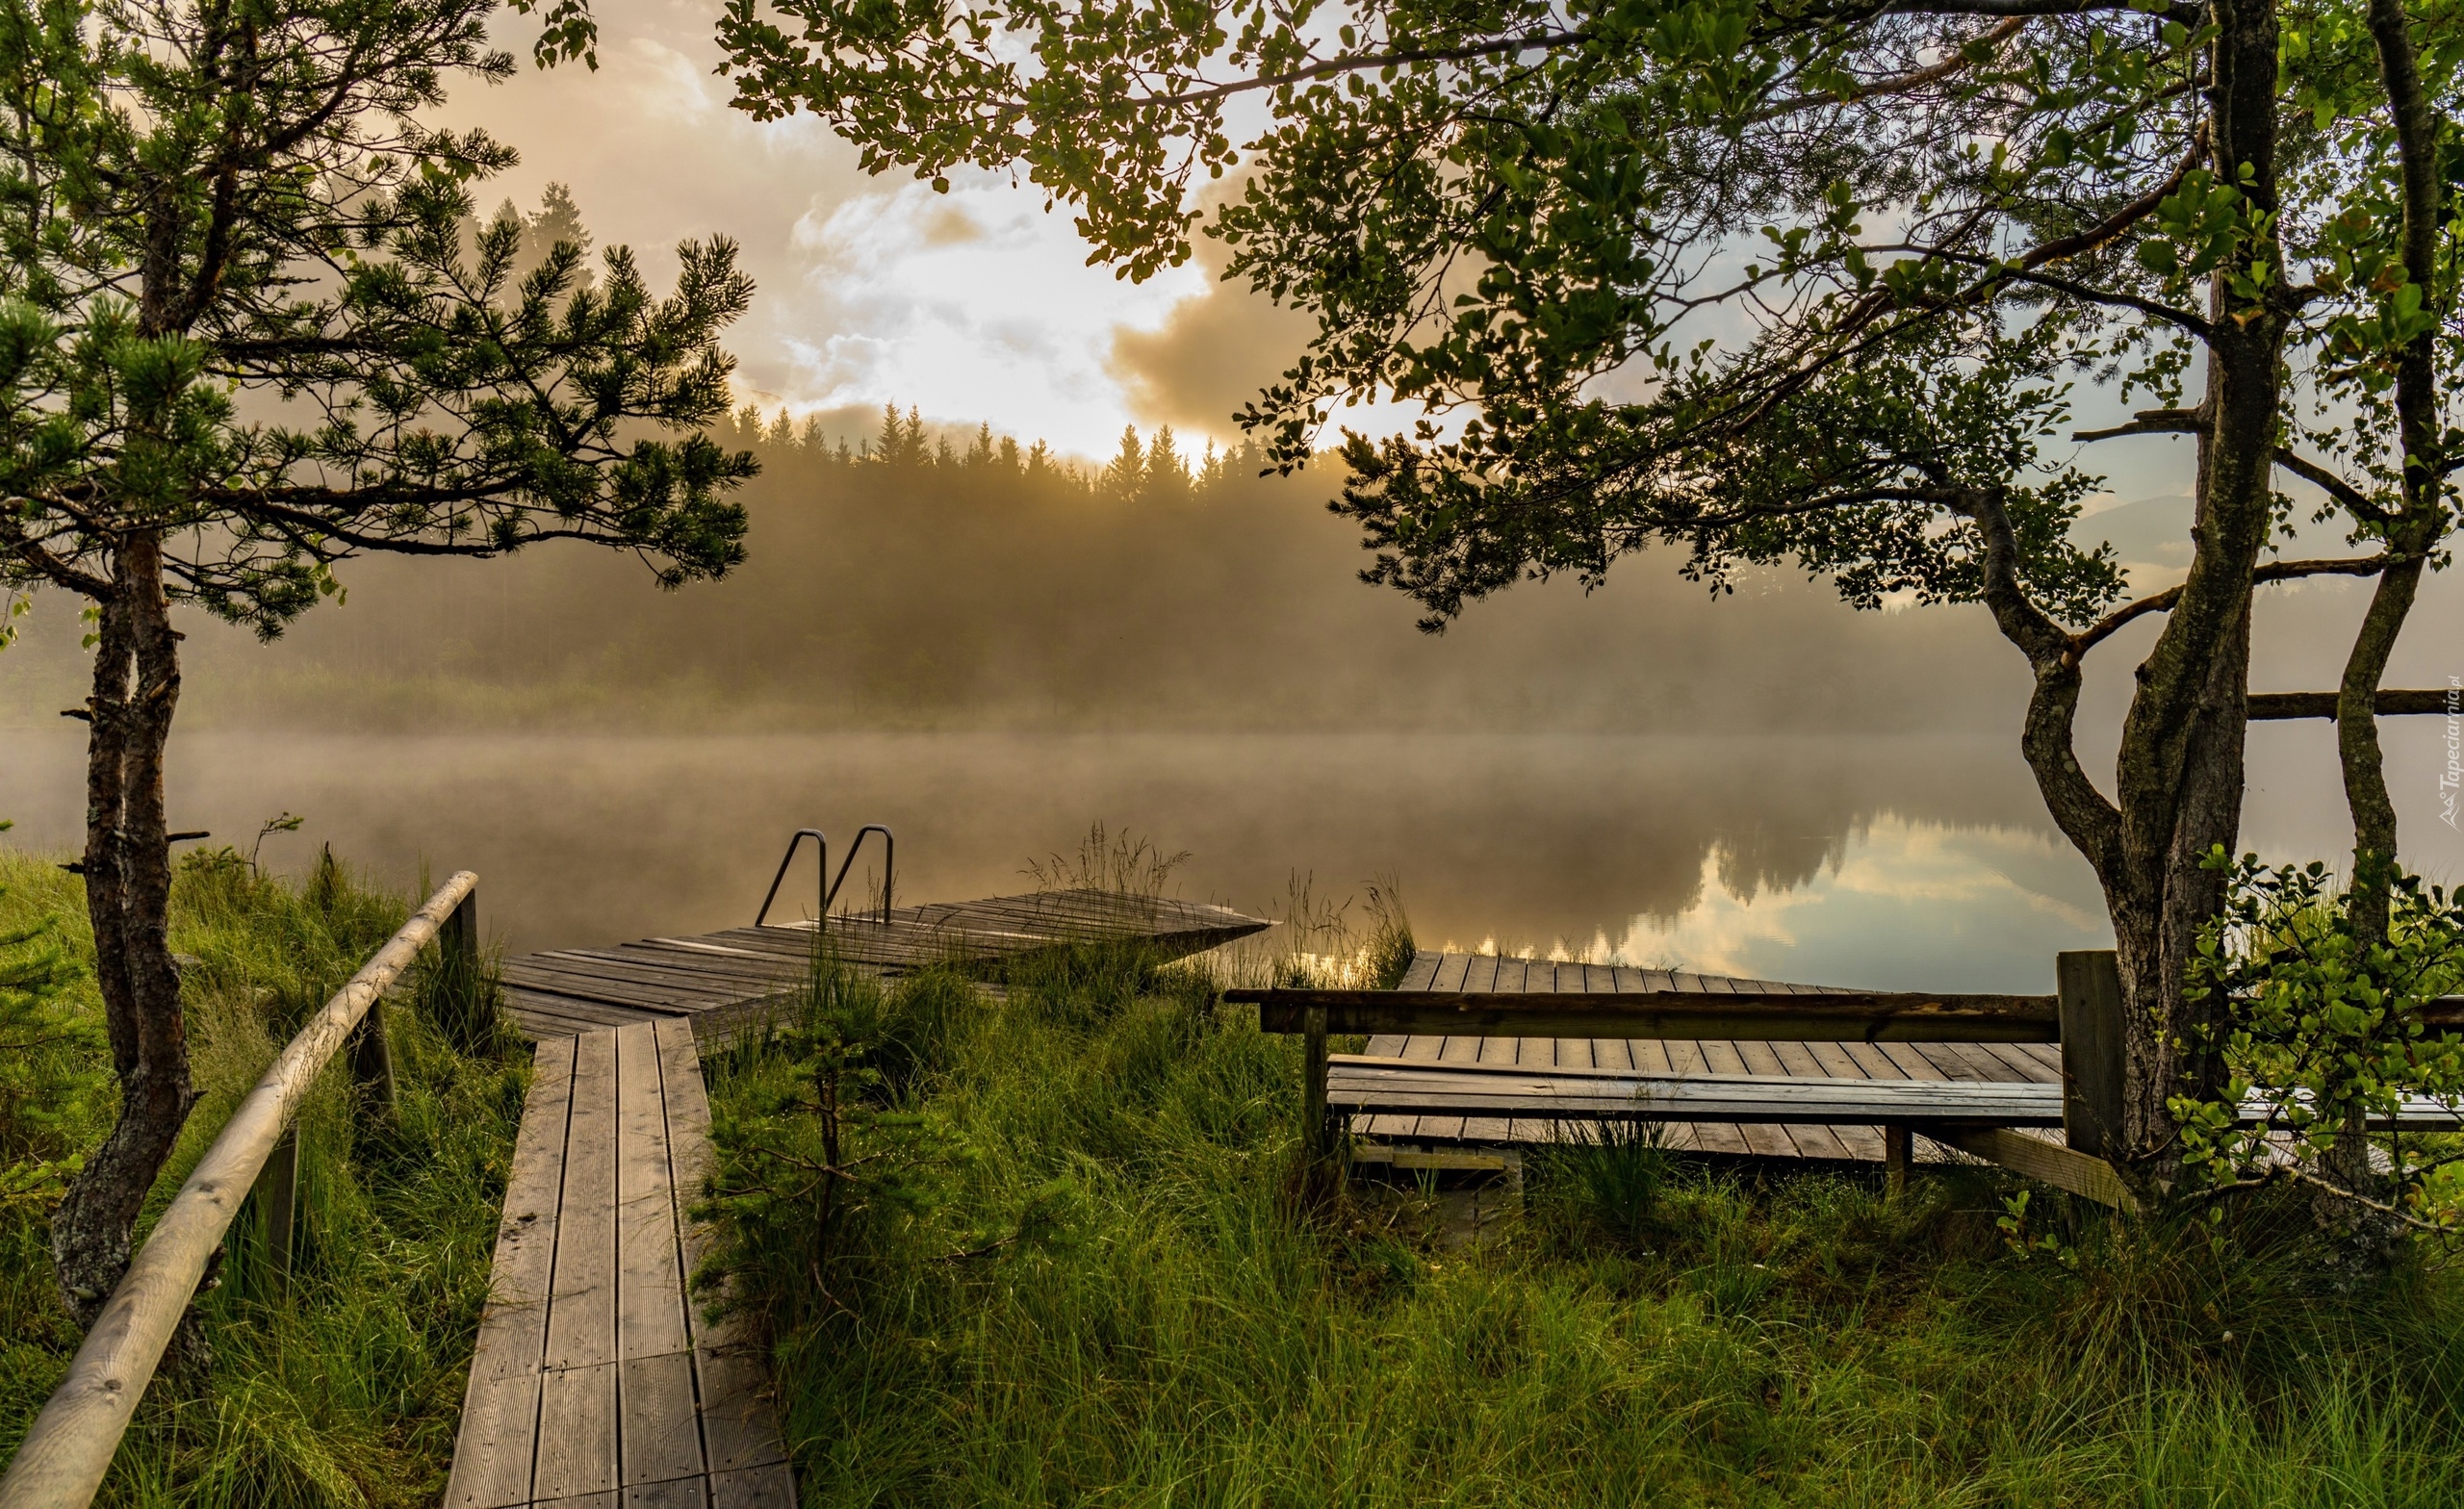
(599, 1381)
(1778, 1065)
(718, 980)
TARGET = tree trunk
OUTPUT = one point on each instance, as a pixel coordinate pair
(128, 890)
(2416, 529)
(2179, 775)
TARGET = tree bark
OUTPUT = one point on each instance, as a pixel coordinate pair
(2409, 540)
(128, 890)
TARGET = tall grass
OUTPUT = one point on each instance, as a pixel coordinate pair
(342, 1386)
(1086, 1284)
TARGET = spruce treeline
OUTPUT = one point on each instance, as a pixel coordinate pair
(1155, 469)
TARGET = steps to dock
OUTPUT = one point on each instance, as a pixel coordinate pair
(718, 980)
(598, 1382)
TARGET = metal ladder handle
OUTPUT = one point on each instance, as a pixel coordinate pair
(801, 833)
(889, 867)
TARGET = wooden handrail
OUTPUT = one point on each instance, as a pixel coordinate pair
(64, 1457)
(1853, 1016)
(1817, 1016)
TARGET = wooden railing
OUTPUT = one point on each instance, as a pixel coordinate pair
(62, 1461)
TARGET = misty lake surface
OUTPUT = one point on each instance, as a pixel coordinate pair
(1907, 862)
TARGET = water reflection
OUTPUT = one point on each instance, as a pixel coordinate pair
(1918, 861)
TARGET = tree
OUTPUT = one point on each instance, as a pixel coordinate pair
(1124, 475)
(1798, 281)
(242, 340)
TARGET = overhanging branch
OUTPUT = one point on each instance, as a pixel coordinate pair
(2105, 628)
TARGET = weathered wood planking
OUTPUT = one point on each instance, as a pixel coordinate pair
(1822, 1098)
(1784, 1060)
(1362, 1083)
(718, 980)
(596, 1380)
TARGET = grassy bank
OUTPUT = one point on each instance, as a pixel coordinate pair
(343, 1386)
(1065, 1264)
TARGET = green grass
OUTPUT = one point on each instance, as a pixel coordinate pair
(1074, 1269)
(343, 1386)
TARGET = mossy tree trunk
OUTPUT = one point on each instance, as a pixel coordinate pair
(128, 892)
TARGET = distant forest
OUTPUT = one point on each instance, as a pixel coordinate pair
(1152, 470)
(917, 575)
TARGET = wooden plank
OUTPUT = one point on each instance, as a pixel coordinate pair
(1790, 1059)
(494, 1444)
(754, 1488)
(690, 972)
(1483, 974)
(739, 1425)
(608, 992)
(513, 1328)
(581, 1314)
(576, 1432)
(590, 1015)
(1422, 972)
(662, 1427)
(649, 1312)
(1666, 1014)
(2052, 1163)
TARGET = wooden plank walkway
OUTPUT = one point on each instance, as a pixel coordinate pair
(1862, 1063)
(598, 1383)
(718, 980)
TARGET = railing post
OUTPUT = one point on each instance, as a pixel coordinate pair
(1317, 1131)
(1898, 1153)
(277, 1198)
(459, 937)
(371, 1062)
(2090, 1005)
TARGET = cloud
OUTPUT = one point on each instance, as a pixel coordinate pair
(1211, 354)
(977, 303)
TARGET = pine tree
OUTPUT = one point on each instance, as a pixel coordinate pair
(1124, 477)
(1168, 475)
(212, 208)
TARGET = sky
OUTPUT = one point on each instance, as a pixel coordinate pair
(975, 305)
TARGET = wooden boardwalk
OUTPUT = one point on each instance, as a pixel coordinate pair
(1867, 1066)
(718, 980)
(598, 1383)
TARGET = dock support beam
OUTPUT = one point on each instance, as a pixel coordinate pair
(1898, 1153)
(1317, 1129)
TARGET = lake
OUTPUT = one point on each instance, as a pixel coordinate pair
(1893, 862)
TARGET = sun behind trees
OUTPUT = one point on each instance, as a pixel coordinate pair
(245, 334)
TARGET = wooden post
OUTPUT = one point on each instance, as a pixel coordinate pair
(277, 1195)
(1315, 1131)
(371, 1059)
(459, 937)
(1898, 1153)
(2092, 1050)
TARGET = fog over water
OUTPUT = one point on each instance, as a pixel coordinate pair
(1766, 784)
